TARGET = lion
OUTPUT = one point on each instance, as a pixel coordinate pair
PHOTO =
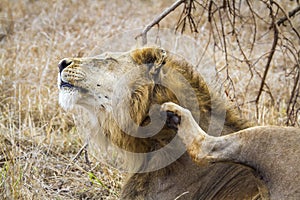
(273, 151)
(123, 92)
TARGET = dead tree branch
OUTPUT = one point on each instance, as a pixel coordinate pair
(288, 18)
(292, 112)
(157, 20)
(187, 17)
(238, 31)
(269, 59)
(290, 14)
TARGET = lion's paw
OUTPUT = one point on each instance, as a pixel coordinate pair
(173, 114)
(171, 107)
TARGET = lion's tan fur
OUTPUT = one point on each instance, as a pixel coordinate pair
(151, 73)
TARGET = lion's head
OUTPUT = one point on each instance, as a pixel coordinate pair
(96, 82)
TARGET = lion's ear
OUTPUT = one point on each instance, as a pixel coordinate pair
(153, 57)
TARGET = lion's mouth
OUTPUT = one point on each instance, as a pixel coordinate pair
(64, 84)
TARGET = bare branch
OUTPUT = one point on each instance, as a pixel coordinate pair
(293, 100)
(290, 14)
(157, 20)
(275, 41)
(228, 21)
(187, 17)
(288, 17)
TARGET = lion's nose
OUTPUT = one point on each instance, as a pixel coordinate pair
(63, 64)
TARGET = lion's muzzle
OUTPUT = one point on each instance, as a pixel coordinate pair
(69, 73)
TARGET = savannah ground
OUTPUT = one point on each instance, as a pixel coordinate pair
(38, 140)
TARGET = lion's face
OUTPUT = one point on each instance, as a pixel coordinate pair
(95, 82)
(91, 82)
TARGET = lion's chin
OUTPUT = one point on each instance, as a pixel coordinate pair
(68, 98)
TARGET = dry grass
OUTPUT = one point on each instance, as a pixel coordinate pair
(37, 138)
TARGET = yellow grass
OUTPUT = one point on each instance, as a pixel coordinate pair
(37, 138)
